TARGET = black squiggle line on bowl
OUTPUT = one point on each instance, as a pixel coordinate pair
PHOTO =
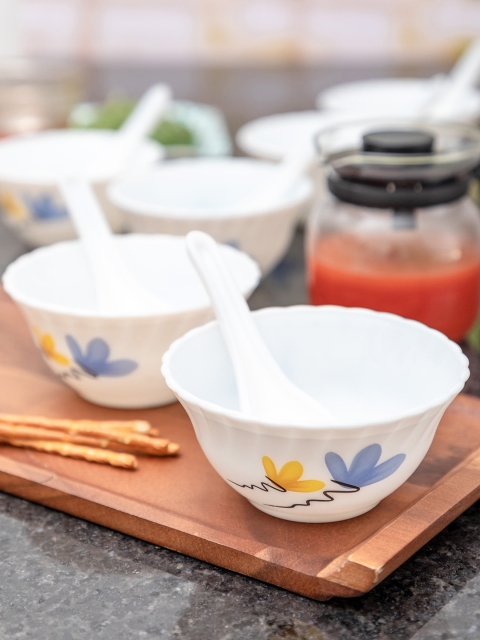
(75, 374)
(329, 498)
(264, 486)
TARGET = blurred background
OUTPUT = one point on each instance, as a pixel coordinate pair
(247, 59)
(291, 48)
(240, 32)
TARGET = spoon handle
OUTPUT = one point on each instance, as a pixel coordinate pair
(263, 388)
(284, 177)
(231, 310)
(117, 291)
(462, 77)
(148, 111)
(151, 107)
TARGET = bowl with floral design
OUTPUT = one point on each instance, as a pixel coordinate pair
(157, 201)
(109, 360)
(30, 167)
(387, 381)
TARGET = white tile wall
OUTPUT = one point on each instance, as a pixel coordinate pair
(246, 31)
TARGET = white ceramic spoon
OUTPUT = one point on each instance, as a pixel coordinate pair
(286, 174)
(119, 293)
(448, 90)
(264, 390)
(151, 107)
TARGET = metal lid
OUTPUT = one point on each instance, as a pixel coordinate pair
(399, 164)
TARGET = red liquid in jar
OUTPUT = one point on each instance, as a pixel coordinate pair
(430, 277)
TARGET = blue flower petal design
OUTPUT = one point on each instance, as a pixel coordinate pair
(364, 469)
(44, 207)
(95, 360)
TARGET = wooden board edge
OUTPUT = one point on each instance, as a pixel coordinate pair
(374, 559)
(175, 540)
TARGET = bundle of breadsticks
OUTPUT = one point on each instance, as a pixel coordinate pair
(107, 442)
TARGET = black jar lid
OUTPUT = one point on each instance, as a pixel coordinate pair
(393, 195)
(398, 165)
(398, 141)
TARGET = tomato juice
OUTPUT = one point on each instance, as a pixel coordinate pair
(432, 277)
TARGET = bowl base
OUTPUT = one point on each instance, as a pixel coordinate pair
(121, 403)
(285, 514)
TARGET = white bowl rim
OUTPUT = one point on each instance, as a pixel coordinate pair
(247, 136)
(42, 180)
(323, 98)
(21, 298)
(251, 421)
(135, 208)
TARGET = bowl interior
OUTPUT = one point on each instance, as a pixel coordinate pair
(46, 156)
(363, 366)
(58, 277)
(199, 187)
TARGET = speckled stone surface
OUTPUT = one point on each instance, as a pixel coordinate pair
(65, 579)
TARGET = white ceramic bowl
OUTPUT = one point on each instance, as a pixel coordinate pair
(391, 97)
(271, 137)
(114, 361)
(30, 167)
(389, 381)
(201, 194)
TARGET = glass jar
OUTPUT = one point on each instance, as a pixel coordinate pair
(420, 262)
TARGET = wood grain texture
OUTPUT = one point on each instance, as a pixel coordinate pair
(182, 504)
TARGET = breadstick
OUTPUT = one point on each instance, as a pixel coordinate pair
(114, 441)
(135, 440)
(135, 426)
(173, 448)
(124, 460)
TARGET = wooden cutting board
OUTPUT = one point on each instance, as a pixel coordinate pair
(182, 504)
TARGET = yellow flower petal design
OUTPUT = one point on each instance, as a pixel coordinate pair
(306, 486)
(290, 472)
(13, 206)
(269, 467)
(289, 476)
(47, 345)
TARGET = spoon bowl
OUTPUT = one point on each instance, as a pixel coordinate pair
(263, 389)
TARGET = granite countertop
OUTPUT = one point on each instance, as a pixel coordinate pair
(66, 579)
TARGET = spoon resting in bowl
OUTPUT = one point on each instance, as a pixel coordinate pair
(264, 390)
(118, 292)
(448, 90)
(284, 177)
(151, 107)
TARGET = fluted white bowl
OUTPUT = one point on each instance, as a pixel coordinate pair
(387, 380)
(30, 167)
(203, 194)
(114, 361)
